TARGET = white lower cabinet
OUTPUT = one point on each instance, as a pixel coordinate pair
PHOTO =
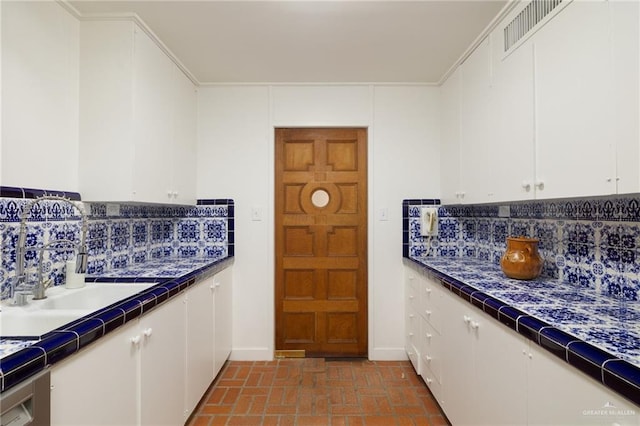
(222, 282)
(98, 386)
(559, 394)
(152, 371)
(199, 342)
(162, 364)
(484, 373)
(484, 376)
(129, 377)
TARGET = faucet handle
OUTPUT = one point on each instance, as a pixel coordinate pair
(19, 298)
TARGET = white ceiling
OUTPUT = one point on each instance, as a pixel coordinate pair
(311, 41)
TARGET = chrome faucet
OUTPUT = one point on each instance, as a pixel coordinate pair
(81, 260)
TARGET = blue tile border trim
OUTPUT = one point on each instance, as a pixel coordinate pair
(28, 193)
(612, 372)
(61, 343)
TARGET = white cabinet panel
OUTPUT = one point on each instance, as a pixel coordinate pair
(560, 394)
(98, 386)
(137, 120)
(512, 152)
(574, 146)
(223, 317)
(200, 342)
(162, 364)
(475, 124)
(450, 139)
(625, 41)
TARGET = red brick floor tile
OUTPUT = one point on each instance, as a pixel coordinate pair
(299, 392)
(245, 421)
(379, 420)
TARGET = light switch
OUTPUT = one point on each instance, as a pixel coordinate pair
(256, 214)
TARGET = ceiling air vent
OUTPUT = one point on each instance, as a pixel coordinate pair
(526, 20)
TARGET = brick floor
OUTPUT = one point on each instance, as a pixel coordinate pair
(315, 391)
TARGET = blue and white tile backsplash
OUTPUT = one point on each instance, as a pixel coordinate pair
(140, 233)
(591, 243)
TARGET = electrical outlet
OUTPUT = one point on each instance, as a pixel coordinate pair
(113, 210)
(504, 211)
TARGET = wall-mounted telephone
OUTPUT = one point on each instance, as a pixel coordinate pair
(428, 221)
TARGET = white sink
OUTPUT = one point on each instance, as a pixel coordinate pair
(20, 323)
(92, 297)
(62, 306)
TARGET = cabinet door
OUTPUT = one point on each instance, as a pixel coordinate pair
(625, 41)
(475, 128)
(500, 372)
(450, 145)
(98, 386)
(162, 364)
(560, 394)
(512, 105)
(484, 377)
(153, 82)
(575, 155)
(183, 181)
(200, 343)
(223, 317)
(458, 378)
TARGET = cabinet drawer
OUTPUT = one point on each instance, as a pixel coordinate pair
(412, 329)
(434, 386)
(431, 304)
(430, 352)
(414, 357)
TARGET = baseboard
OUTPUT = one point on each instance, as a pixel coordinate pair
(251, 354)
(388, 354)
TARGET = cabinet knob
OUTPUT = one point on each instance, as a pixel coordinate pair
(427, 312)
(427, 290)
(411, 315)
(540, 185)
(148, 332)
(429, 381)
(466, 318)
(526, 185)
(135, 340)
(429, 335)
(410, 334)
(474, 325)
(428, 358)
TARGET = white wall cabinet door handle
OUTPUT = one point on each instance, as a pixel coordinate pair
(135, 340)
(148, 332)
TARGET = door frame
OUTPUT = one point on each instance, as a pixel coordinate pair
(368, 229)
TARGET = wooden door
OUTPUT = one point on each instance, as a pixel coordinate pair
(321, 241)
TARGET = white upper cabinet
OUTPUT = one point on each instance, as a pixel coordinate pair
(450, 139)
(555, 116)
(575, 153)
(475, 125)
(625, 56)
(512, 120)
(137, 118)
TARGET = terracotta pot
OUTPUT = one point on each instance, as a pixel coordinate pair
(522, 260)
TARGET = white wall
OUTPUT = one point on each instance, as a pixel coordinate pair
(40, 42)
(235, 159)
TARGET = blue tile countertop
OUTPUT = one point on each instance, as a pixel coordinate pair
(594, 333)
(21, 358)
